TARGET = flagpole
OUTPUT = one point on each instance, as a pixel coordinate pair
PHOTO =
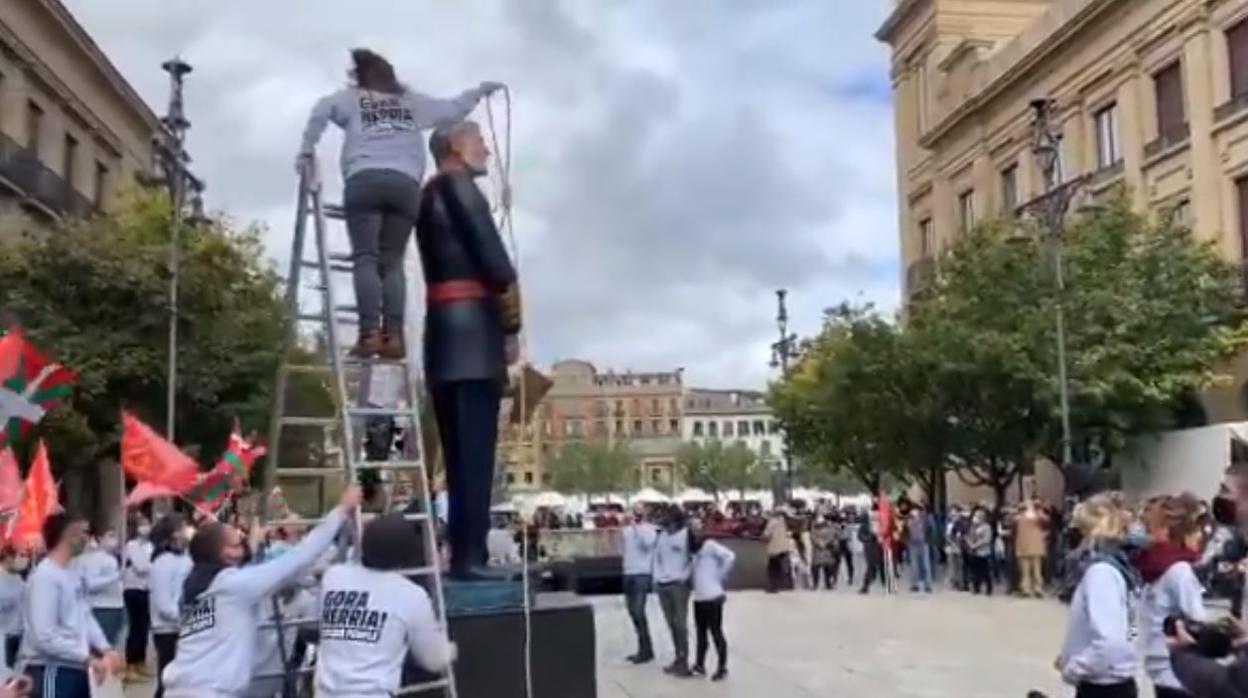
(122, 538)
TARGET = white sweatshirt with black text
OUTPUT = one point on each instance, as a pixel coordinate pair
(371, 621)
(217, 637)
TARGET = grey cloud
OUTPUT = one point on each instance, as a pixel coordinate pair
(674, 161)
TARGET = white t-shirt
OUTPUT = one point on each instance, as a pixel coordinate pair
(370, 622)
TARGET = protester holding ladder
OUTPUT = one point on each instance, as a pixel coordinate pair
(224, 604)
(372, 617)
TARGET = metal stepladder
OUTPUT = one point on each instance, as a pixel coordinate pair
(405, 410)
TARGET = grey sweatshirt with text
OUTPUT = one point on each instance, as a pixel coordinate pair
(384, 131)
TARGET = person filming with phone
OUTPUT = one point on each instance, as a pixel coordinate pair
(1198, 651)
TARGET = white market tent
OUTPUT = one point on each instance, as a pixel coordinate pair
(550, 500)
(694, 495)
(649, 495)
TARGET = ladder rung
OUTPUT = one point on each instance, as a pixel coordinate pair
(333, 211)
(390, 465)
(381, 411)
(309, 264)
(282, 674)
(309, 421)
(347, 309)
(340, 257)
(311, 317)
(373, 362)
(420, 687)
(307, 368)
(309, 472)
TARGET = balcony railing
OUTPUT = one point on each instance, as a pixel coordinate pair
(1225, 111)
(920, 275)
(1167, 140)
(37, 181)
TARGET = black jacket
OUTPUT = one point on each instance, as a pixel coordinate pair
(464, 339)
(1207, 678)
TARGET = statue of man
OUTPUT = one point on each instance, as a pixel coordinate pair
(472, 319)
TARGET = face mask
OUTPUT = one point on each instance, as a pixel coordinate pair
(109, 543)
(19, 564)
(145, 531)
(77, 547)
(1137, 536)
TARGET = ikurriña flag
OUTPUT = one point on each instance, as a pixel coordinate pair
(30, 385)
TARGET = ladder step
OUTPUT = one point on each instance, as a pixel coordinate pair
(338, 471)
(409, 689)
(309, 264)
(341, 257)
(382, 412)
(369, 363)
(347, 309)
(309, 421)
(311, 317)
(307, 368)
(333, 212)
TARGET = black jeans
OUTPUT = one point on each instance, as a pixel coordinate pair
(166, 649)
(139, 622)
(637, 588)
(708, 619)
(467, 414)
(1164, 692)
(981, 574)
(12, 643)
(777, 572)
(875, 569)
(58, 681)
(381, 208)
(1126, 689)
(845, 557)
(826, 571)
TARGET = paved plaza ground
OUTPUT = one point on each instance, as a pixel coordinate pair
(839, 644)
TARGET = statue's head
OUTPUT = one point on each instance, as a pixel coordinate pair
(460, 146)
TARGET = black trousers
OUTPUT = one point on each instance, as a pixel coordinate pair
(166, 649)
(1126, 689)
(708, 619)
(875, 569)
(58, 681)
(1164, 692)
(139, 624)
(845, 557)
(777, 572)
(825, 571)
(981, 574)
(467, 414)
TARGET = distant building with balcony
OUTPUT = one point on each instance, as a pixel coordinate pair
(72, 130)
(1152, 95)
(642, 409)
(732, 417)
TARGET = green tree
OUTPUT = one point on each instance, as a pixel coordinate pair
(593, 468)
(96, 294)
(717, 468)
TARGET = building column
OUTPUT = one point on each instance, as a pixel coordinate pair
(1206, 168)
(987, 187)
(1131, 130)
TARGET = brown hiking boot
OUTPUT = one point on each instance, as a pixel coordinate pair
(392, 347)
(370, 345)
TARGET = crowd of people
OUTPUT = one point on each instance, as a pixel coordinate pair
(227, 613)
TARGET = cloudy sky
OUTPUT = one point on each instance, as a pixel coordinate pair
(674, 161)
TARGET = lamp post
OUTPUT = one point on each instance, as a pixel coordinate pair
(175, 176)
(1050, 209)
(783, 351)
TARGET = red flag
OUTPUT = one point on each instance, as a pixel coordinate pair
(39, 500)
(144, 491)
(10, 482)
(146, 457)
(886, 517)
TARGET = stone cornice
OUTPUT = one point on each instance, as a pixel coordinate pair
(1084, 12)
(888, 30)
